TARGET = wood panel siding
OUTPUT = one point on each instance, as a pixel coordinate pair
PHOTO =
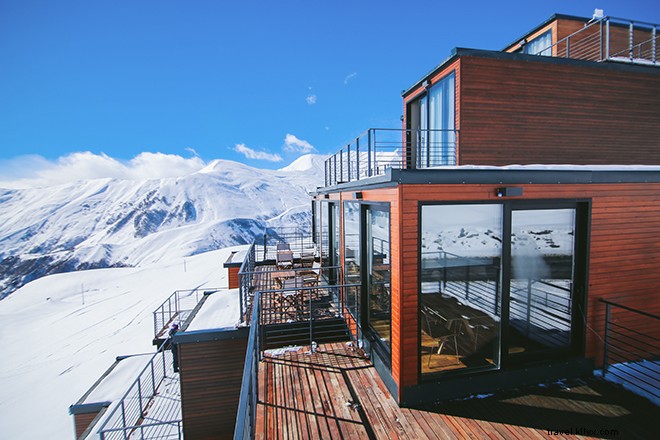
(211, 373)
(83, 421)
(527, 112)
(232, 277)
(624, 253)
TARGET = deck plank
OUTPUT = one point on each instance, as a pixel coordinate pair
(309, 396)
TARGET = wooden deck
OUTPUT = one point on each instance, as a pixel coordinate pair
(336, 393)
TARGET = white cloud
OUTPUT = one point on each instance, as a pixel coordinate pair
(293, 144)
(311, 99)
(258, 155)
(36, 171)
(349, 77)
(192, 151)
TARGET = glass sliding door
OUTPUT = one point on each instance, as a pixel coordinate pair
(501, 284)
(441, 138)
(352, 256)
(460, 298)
(541, 283)
(379, 295)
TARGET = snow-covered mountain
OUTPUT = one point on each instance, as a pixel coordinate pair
(115, 223)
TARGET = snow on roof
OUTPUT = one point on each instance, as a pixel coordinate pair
(551, 167)
(113, 386)
(221, 310)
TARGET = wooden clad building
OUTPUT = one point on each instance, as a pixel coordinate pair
(478, 269)
(511, 262)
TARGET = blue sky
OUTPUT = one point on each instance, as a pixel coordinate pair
(232, 79)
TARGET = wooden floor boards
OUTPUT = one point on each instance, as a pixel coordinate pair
(337, 394)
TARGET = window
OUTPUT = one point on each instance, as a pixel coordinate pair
(460, 313)
(432, 136)
(379, 292)
(500, 284)
(540, 45)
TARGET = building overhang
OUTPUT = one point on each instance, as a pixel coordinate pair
(509, 175)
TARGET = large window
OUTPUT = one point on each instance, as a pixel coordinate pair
(431, 118)
(500, 284)
(378, 258)
(542, 266)
(460, 287)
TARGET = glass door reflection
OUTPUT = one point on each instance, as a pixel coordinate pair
(541, 282)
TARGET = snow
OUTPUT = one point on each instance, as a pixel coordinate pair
(60, 333)
(124, 222)
(114, 385)
(221, 310)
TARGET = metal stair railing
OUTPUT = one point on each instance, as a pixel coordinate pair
(631, 354)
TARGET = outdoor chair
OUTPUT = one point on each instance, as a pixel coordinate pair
(436, 329)
(284, 259)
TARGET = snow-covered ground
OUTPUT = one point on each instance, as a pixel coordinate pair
(61, 332)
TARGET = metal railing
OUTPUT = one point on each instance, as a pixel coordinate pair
(247, 403)
(128, 417)
(611, 39)
(177, 307)
(263, 251)
(379, 149)
(631, 354)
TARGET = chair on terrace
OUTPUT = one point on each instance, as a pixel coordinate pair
(436, 328)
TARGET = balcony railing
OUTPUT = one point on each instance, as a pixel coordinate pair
(247, 405)
(129, 415)
(632, 349)
(261, 252)
(611, 39)
(178, 307)
(379, 149)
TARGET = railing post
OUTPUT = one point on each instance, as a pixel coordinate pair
(357, 151)
(348, 161)
(607, 334)
(607, 39)
(631, 39)
(153, 378)
(369, 153)
(600, 40)
(653, 44)
(139, 382)
(123, 419)
(341, 165)
(568, 47)
(325, 166)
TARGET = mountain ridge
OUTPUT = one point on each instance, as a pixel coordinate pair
(112, 222)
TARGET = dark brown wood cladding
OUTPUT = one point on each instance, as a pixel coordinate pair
(211, 374)
(232, 275)
(82, 422)
(624, 253)
(518, 112)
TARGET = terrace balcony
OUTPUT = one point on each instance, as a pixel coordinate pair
(378, 149)
(610, 39)
(333, 389)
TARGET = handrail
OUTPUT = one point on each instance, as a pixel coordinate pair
(247, 403)
(598, 45)
(133, 405)
(379, 149)
(630, 309)
(178, 305)
(631, 349)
